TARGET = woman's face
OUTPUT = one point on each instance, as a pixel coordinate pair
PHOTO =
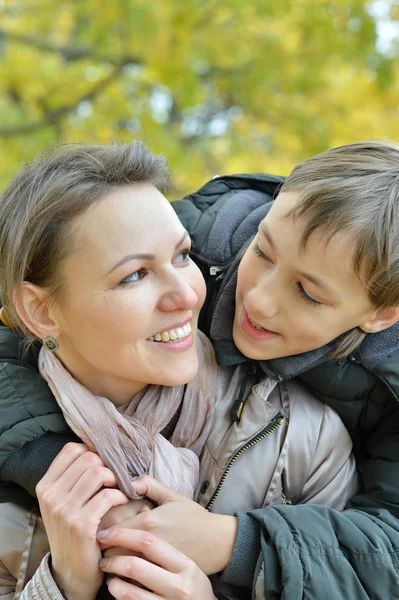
(128, 316)
(292, 300)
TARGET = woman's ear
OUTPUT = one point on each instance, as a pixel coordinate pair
(382, 319)
(33, 309)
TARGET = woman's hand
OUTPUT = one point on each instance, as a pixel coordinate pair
(72, 504)
(165, 572)
(207, 538)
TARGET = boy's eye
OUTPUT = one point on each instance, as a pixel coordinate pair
(306, 297)
(183, 256)
(259, 252)
(136, 276)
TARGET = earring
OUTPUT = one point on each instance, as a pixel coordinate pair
(4, 316)
(50, 343)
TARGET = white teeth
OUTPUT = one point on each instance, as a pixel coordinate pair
(172, 334)
(256, 326)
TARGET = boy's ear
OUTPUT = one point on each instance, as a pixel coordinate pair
(33, 309)
(382, 319)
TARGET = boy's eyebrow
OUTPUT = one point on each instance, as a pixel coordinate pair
(315, 280)
(145, 256)
(320, 283)
(265, 230)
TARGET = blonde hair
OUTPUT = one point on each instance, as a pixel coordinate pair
(355, 188)
(39, 208)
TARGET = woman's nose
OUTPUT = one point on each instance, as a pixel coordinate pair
(181, 297)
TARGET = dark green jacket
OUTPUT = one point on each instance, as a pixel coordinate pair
(310, 552)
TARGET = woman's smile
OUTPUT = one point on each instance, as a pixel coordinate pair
(177, 339)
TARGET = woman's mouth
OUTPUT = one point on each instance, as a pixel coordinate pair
(172, 335)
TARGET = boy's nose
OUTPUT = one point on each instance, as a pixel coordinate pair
(262, 303)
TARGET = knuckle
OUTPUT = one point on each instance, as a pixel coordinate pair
(47, 499)
(40, 489)
(91, 458)
(147, 539)
(108, 495)
(117, 591)
(73, 449)
(182, 592)
(134, 567)
(149, 521)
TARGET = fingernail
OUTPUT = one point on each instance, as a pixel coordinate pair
(101, 535)
(102, 562)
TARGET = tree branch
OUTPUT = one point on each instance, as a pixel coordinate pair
(69, 53)
(53, 116)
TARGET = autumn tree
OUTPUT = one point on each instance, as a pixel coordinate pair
(218, 86)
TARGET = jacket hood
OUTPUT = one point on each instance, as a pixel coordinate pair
(235, 225)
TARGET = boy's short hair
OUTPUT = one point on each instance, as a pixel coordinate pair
(355, 188)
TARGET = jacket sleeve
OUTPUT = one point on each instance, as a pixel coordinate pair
(42, 585)
(332, 478)
(32, 427)
(311, 551)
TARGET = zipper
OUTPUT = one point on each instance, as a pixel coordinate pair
(271, 428)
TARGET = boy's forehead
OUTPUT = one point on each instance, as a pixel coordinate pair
(322, 250)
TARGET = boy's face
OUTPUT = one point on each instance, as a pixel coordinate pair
(289, 299)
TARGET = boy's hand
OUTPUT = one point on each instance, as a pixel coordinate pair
(118, 514)
(208, 539)
(163, 573)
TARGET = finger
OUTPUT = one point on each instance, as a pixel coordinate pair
(90, 482)
(153, 548)
(151, 576)
(122, 589)
(156, 491)
(62, 487)
(68, 455)
(101, 503)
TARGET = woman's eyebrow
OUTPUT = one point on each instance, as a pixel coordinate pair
(144, 256)
(183, 237)
(130, 257)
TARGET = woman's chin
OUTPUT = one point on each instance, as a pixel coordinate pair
(181, 374)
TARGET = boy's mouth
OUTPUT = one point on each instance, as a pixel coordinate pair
(172, 335)
(256, 325)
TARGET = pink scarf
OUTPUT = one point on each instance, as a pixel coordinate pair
(128, 438)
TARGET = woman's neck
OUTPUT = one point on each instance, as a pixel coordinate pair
(117, 390)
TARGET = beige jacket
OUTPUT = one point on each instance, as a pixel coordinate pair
(287, 447)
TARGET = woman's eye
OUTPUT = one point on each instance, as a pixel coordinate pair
(136, 276)
(260, 253)
(305, 296)
(183, 256)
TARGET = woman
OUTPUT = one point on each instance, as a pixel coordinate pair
(94, 263)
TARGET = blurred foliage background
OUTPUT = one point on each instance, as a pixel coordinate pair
(219, 86)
